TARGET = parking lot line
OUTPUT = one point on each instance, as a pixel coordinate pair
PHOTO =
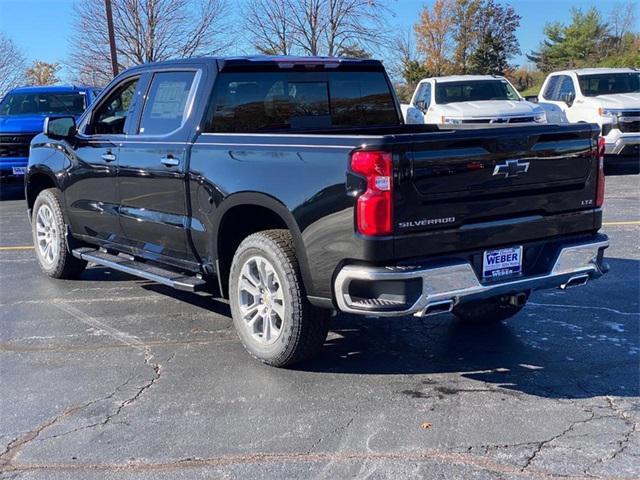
(17, 247)
(610, 224)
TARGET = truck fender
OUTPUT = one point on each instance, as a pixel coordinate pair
(263, 200)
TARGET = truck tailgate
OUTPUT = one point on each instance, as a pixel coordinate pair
(475, 180)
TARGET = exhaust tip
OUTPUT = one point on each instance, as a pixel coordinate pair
(435, 308)
(576, 281)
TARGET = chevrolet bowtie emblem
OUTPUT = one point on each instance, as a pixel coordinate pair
(511, 168)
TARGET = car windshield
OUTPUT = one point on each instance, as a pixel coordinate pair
(42, 103)
(474, 90)
(608, 83)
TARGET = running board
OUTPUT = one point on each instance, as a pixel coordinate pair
(144, 270)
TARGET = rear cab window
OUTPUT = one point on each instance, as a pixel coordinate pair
(246, 102)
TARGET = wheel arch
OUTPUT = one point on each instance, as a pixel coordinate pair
(243, 214)
(36, 181)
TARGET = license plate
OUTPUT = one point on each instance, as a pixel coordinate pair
(19, 170)
(502, 262)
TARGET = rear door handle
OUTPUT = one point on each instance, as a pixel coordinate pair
(170, 161)
(108, 157)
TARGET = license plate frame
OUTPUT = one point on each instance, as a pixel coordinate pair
(501, 262)
(21, 171)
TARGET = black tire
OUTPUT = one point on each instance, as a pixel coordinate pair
(62, 264)
(304, 328)
(491, 310)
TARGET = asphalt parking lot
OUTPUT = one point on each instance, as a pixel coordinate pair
(114, 377)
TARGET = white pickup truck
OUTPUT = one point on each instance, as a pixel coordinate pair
(470, 99)
(609, 97)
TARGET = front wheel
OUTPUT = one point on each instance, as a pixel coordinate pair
(49, 230)
(491, 310)
(276, 323)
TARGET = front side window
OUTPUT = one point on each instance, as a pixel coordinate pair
(110, 117)
(566, 87)
(474, 91)
(166, 105)
(551, 88)
(72, 103)
(609, 83)
(246, 102)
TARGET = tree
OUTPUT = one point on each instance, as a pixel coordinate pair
(11, 65)
(268, 26)
(497, 41)
(433, 35)
(465, 32)
(575, 45)
(145, 31)
(42, 73)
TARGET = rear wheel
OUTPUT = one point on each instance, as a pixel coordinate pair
(276, 323)
(49, 230)
(491, 310)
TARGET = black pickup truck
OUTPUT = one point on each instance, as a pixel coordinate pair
(292, 187)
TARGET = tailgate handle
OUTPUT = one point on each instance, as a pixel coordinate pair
(170, 161)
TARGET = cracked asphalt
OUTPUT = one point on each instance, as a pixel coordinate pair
(111, 377)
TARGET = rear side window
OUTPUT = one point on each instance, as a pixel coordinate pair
(250, 102)
(166, 105)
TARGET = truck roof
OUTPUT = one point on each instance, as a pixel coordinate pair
(462, 78)
(596, 71)
(265, 60)
(54, 89)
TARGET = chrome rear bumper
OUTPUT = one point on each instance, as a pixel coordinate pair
(445, 286)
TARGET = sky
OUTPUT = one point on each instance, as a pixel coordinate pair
(42, 28)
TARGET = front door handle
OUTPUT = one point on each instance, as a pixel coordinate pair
(170, 161)
(108, 157)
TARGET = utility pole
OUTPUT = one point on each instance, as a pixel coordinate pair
(112, 37)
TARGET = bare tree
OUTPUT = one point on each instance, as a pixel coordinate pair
(355, 22)
(317, 27)
(268, 26)
(622, 19)
(306, 18)
(145, 31)
(12, 64)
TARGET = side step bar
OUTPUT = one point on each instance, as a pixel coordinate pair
(144, 270)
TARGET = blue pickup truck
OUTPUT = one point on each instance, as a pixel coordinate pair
(22, 114)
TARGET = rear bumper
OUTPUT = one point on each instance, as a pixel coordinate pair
(425, 290)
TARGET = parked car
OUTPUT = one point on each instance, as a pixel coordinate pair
(294, 186)
(470, 99)
(609, 97)
(22, 114)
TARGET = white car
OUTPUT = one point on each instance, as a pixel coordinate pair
(609, 97)
(470, 99)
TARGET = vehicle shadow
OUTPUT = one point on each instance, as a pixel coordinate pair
(11, 189)
(612, 170)
(580, 344)
(551, 350)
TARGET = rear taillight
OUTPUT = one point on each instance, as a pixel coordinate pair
(600, 183)
(374, 210)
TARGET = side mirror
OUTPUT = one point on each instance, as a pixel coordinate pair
(531, 98)
(568, 98)
(60, 127)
